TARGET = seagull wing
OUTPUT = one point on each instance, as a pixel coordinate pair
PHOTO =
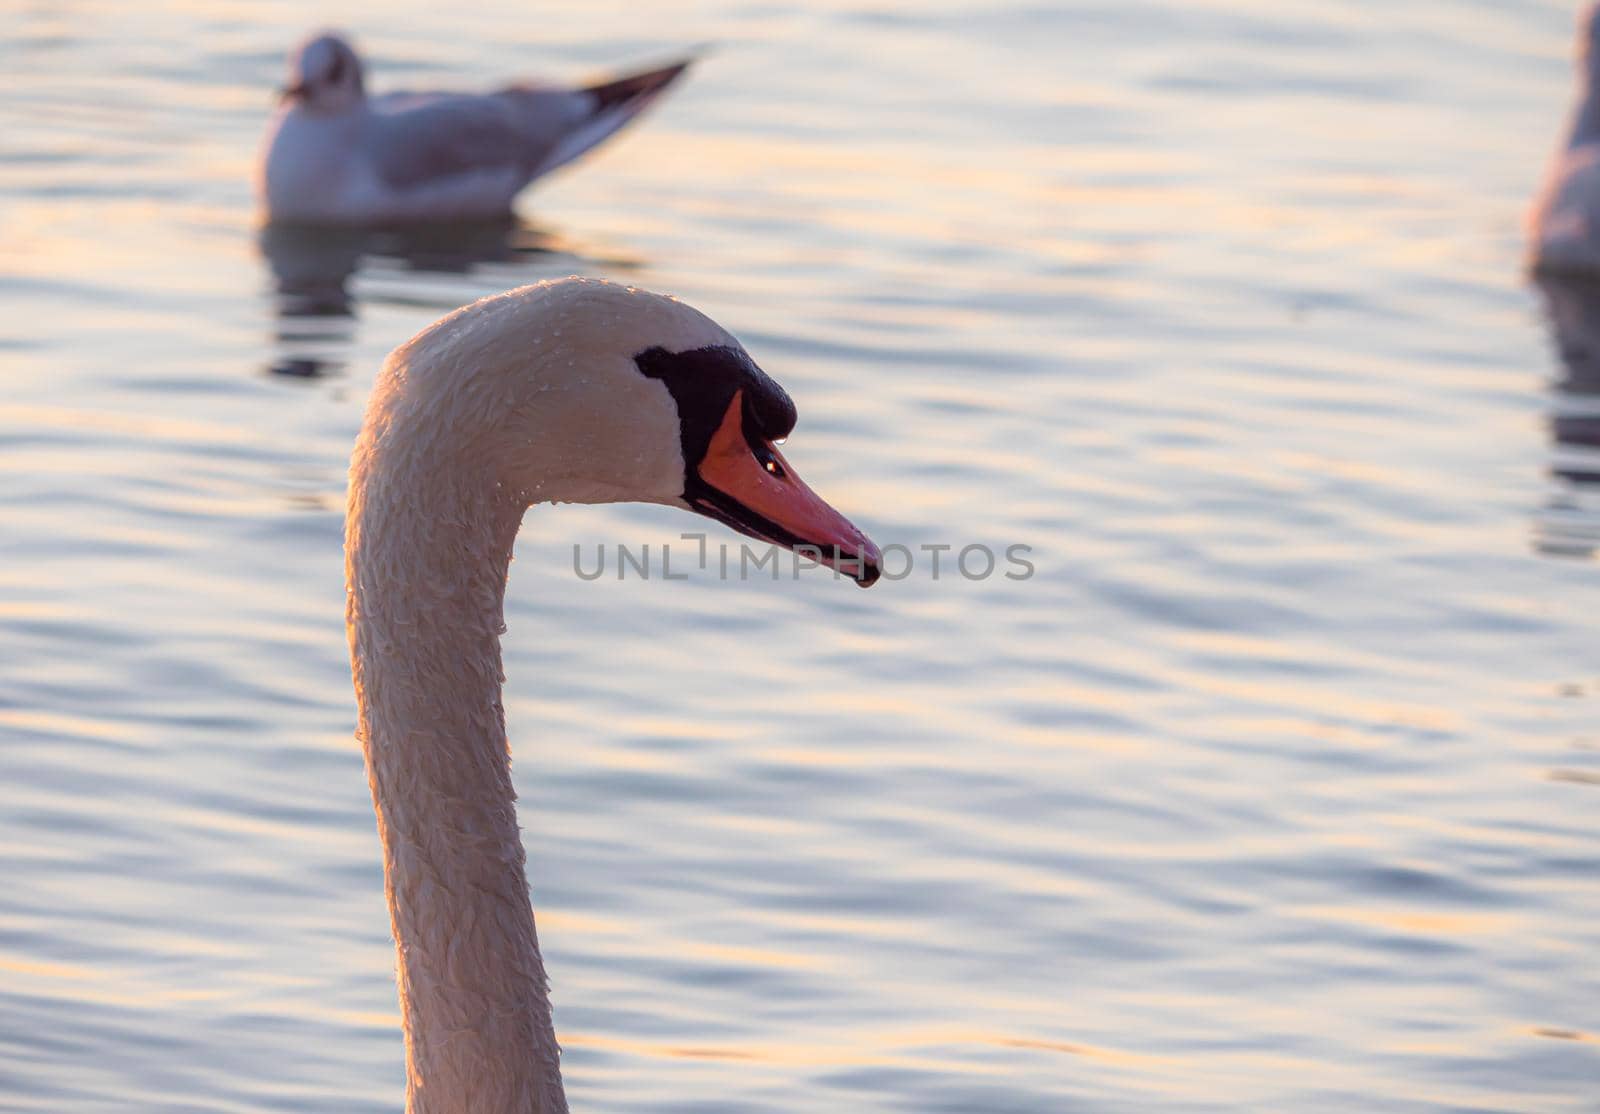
(420, 138)
(602, 110)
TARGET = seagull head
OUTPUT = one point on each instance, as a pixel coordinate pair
(325, 75)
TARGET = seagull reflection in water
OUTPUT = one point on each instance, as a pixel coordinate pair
(321, 275)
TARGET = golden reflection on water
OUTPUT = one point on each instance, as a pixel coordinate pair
(899, 1047)
(1417, 923)
(1242, 350)
(75, 726)
(33, 969)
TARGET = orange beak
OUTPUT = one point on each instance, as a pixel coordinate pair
(750, 487)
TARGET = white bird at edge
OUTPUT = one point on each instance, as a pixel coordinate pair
(1564, 224)
(575, 391)
(334, 155)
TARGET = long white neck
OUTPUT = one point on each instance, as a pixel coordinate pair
(531, 396)
(426, 564)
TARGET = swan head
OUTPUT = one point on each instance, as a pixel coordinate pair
(584, 391)
(325, 75)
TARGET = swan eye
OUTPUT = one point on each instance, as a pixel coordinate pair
(770, 463)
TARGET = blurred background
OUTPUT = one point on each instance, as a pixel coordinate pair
(1274, 789)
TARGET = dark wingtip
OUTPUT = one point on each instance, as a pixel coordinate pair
(647, 83)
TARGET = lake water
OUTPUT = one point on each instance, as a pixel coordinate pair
(1275, 788)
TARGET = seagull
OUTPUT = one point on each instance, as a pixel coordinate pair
(1564, 226)
(334, 155)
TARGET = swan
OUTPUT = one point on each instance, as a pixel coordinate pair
(334, 155)
(1564, 223)
(575, 391)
